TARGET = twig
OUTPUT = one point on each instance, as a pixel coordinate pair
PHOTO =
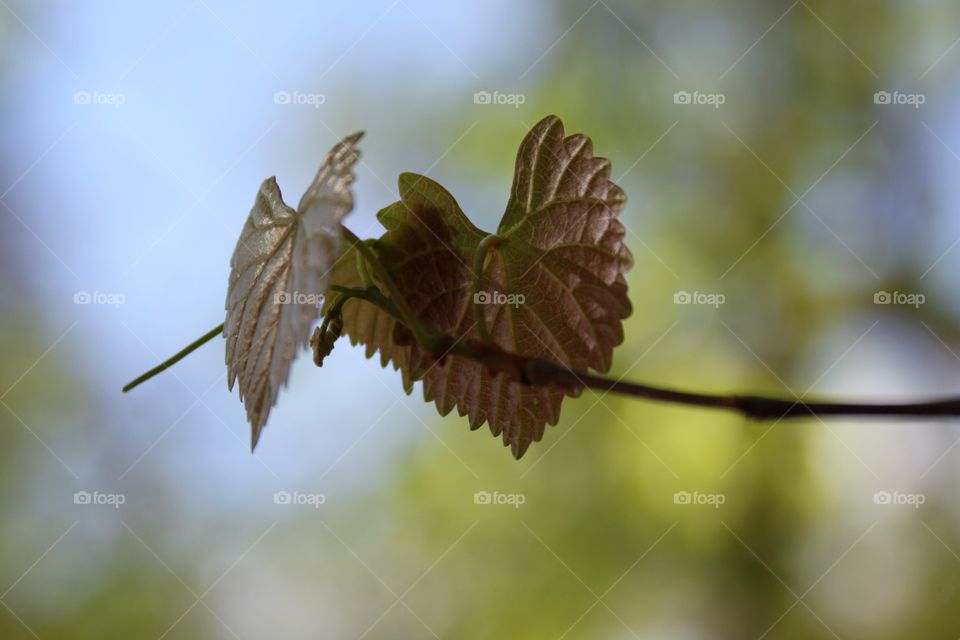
(537, 371)
(172, 360)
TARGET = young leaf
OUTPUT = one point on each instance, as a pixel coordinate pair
(551, 284)
(407, 251)
(279, 267)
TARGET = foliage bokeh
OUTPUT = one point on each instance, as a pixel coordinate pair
(146, 200)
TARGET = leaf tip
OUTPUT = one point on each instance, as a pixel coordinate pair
(256, 428)
(407, 180)
(519, 447)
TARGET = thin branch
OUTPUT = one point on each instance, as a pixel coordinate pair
(172, 360)
(537, 371)
(751, 406)
(541, 372)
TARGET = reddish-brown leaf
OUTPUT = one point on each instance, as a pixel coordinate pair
(552, 284)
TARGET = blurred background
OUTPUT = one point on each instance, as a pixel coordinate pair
(791, 170)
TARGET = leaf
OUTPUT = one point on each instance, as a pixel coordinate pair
(279, 268)
(553, 282)
(417, 252)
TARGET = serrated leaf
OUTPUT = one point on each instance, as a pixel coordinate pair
(279, 268)
(554, 282)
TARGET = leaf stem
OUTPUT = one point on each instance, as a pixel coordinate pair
(492, 241)
(422, 335)
(177, 357)
(371, 294)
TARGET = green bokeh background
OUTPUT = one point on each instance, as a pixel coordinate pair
(798, 199)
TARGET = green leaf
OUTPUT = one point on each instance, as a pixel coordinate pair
(551, 283)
